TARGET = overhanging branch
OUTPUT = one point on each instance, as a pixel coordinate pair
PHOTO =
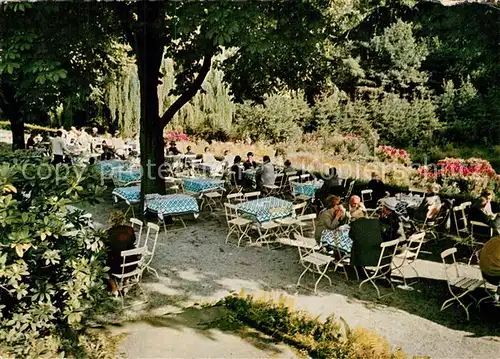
(189, 93)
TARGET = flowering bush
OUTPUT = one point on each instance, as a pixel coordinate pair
(466, 176)
(177, 136)
(391, 154)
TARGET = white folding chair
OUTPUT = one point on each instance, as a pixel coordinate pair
(129, 277)
(460, 220)
(274, 189)
(366, 195)
(291, 180)
(409, 254)
(251, 195)
(150, 246)
(235, 197)
(236, 224)
(311, 260)
(307, 222)
(305, 177)
(136, 222)
(459, 286)
(288, 224)
(211, 197)
(349, 191)
(478, 231)
(383, 268)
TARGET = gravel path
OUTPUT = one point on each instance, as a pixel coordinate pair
(195, 266)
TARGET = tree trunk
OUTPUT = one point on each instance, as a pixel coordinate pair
(17, 128)
(12, 110)
(149, 55)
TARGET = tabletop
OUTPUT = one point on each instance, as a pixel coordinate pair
(337, 238)
(123, 177)
(130, 194)
(267, 209)
(172, 204)
(202, 184)
(308, 188)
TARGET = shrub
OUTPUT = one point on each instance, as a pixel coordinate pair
(391, 154)
(52, 265)
(177, 136)
(328, 339)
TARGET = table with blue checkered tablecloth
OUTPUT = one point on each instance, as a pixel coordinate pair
(337, 238)
(199, 185)
(122, 177)
(307, 188)
(130, 194)
(266, 209)
(172, 204)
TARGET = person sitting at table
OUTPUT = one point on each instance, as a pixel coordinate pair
(265, 174)
(228, 159)
(331, 186)
(237, 178)
(172, 150)
(430, 206)
(288, 167)
(208, 157)
(480, 212)
(189, 152)
(249, 163)
(107, 151)
(484, 204)
(377, 186)
(120, 237)
(331, 217)
(118, 145)
(357, 208)
(30, 143)
(489, 263)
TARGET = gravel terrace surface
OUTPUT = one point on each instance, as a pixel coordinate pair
(195, 267)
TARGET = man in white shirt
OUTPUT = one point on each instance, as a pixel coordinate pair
(118, 145)
(228, 160)
(58, 148)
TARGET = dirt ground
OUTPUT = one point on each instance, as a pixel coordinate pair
(196, 267)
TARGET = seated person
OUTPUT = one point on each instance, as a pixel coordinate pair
(189, 152)
(331, 217)
(265, 174)
(288, 167)
(430, 206)
(237, 178)
(30, 143)
(121, 237)
(249, 163)
(208, 157)
(480, 213)
(357, 209)
(484, 204)
(331, 186)
(489, 262)
(172, 150)
(228, 159)
(377, 186)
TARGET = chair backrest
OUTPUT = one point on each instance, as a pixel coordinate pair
(193, 162)
(230, 211)
(233, 196)
(351, 187)
(366, 195)
(299, 207)
(415, 242)
(480, 229)
(134, 222)
(305, 177)
(466, 205)
(252, 195)
(450, 266)
(280, 179)
(291, 174)
(137, 259)
(308, 219)
(305, 245)
(460, 218)
(150, 243)
(386, 255)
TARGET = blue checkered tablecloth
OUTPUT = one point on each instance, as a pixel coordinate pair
(410, 200)
(250, 175)
(202, 184)
(308, 188)
(131, 194)
(337, 238)
(172, 204)
(121, 178)
(266, 209)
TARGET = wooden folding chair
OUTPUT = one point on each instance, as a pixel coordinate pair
(236, 224)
